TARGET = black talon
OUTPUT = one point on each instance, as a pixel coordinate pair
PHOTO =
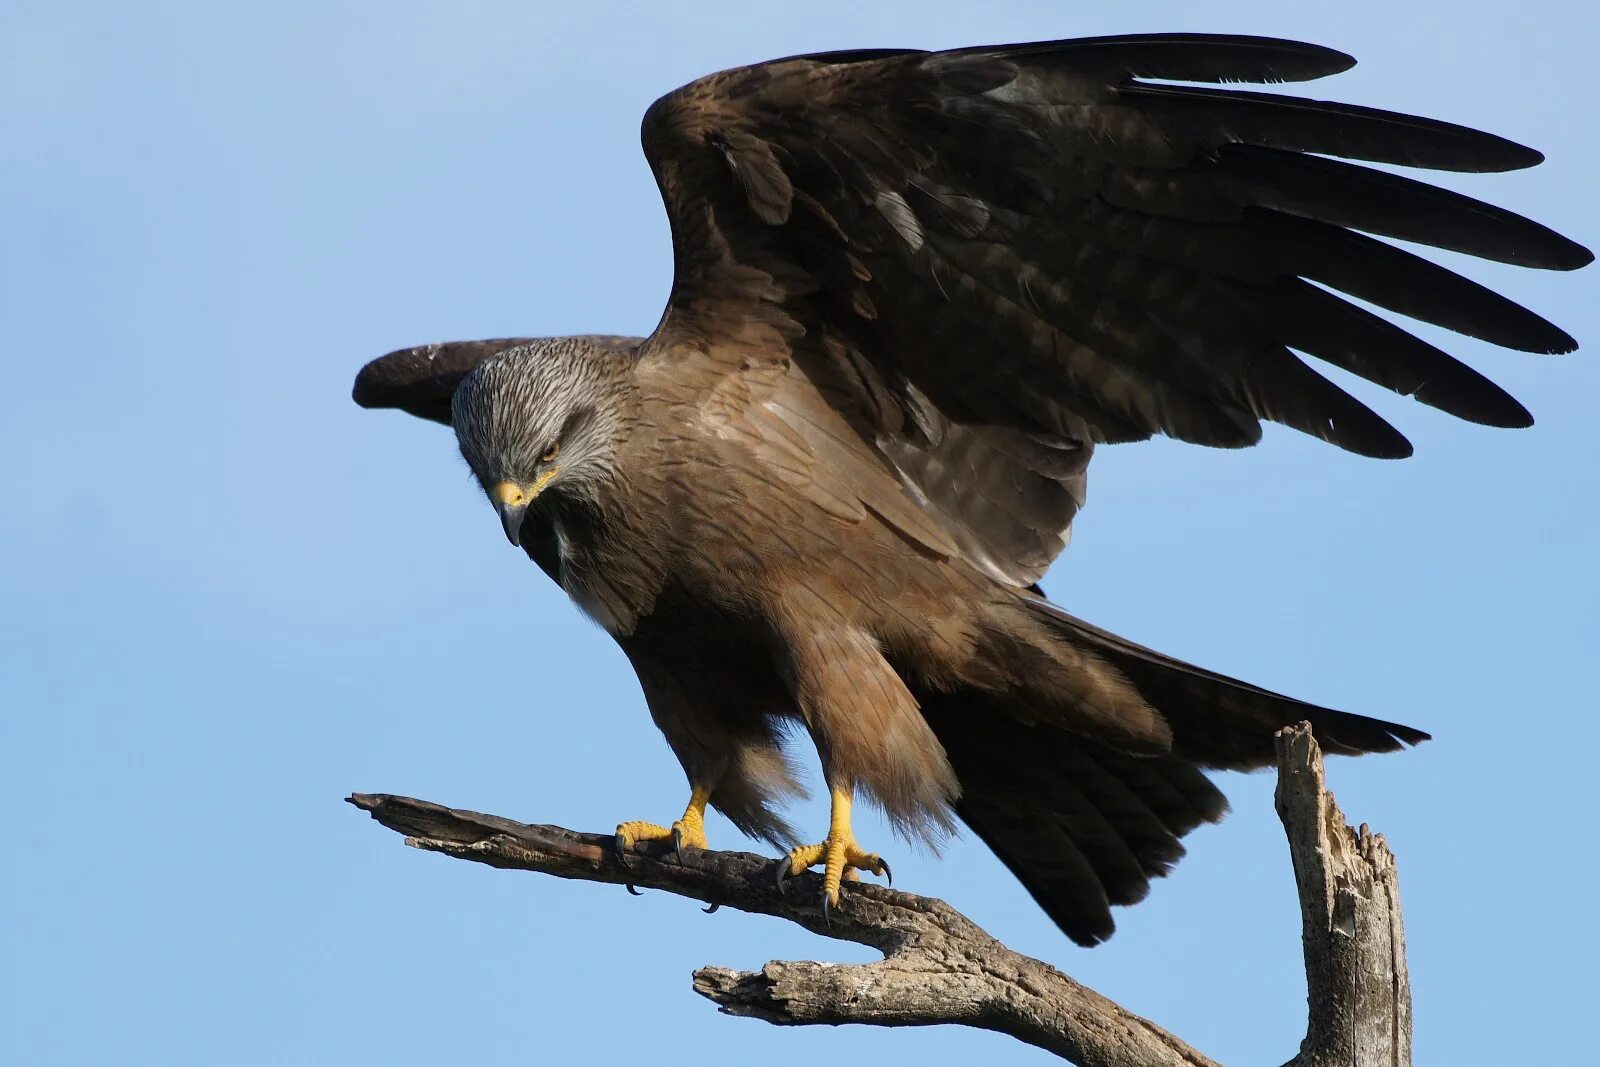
(783, 874)
(621, 849)
(709, 908)
(887, 873)
(825, 921)
(630, 888)
(677, 846)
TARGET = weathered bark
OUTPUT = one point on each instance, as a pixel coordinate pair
(1358, 990)
(939, 967)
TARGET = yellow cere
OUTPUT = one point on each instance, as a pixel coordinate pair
(513, 495)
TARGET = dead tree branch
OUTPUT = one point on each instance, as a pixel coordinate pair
(939, 967)
(1358, 989)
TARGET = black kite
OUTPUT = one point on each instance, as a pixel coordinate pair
(913, 292)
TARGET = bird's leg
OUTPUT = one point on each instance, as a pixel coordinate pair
(687, 832)
(839, 855)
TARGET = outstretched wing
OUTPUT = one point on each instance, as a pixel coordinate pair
(982, 262)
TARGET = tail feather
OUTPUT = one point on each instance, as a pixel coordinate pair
(1219, 721)
(1080, 825)
(1085, 825)
(1147, 810)
(1049, 865)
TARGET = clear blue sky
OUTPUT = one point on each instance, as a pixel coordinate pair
(228, 597)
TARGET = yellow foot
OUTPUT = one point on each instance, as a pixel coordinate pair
(687, 832)
(839, 856)
(683, 834)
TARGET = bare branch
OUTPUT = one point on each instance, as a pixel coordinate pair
(939, 967)
(1358, 989)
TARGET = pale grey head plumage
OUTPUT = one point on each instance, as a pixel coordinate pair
(543, 417)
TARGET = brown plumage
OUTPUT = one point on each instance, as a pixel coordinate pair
(913, 292)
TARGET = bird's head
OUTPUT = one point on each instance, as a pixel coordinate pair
(542, 418)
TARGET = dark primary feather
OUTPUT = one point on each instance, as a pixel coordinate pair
(1214, 117)
(1148, 55)
(1221, 187)
(1184, 57)
(1031, 243)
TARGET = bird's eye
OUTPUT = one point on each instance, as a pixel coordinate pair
(554, 451)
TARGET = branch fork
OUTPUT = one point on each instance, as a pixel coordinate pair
(940, 967)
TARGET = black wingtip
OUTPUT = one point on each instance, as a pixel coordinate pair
(1508, 416)
(407, 379)
(1553, 341)
(1375, 439)
(1196, 57)
(422, 379)
(385, 382)
(1543, 249)
(1546, 250)
(1495, 154)
(366, 391)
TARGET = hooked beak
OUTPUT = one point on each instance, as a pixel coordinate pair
(512, 501)
(511, 518)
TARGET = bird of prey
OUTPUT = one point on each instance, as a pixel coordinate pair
(913, 292)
